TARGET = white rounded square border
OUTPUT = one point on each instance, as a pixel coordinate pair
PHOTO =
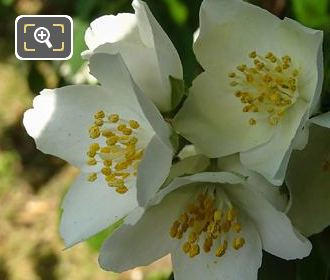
(22, 58)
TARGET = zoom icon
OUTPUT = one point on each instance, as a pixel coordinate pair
(43, 37)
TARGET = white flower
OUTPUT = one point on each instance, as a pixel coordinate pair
(114, 134)
(308, 179)
(146, 49)
(262, 81)
(213, 224)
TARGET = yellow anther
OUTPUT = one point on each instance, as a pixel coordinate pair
(186, 247)
(112, 140)
(194, 250)
(273, 59)
(105, 150)
(121, 127)
(241, 68)
(121, 165)
(132, 141)
(121, 189)
(134, 124)
(94, 147)
(110, 178)
(193, 237)
(91, 161)
(233, 83)
(107, 133)
(222, 249)
(232, 75)
(92, 177)
(217, 215)
(98, 122)
(269, 55)
(127, 131)
(94, 132)
(238, 243)
(231, 214)
(106, 171)
(226, 226)
(99, 115)
(208, 243)
(107, 162)
(91, 153)
(174, 229)
(253, 54)
(236, 227)
(113, 118)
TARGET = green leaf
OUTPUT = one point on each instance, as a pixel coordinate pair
(313, 13)
(178, 91)
(95, 242)
(79, 28)
(178, 10)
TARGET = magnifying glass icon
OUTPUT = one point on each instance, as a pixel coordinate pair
(41, 35)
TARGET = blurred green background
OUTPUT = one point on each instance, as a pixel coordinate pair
(33, 184)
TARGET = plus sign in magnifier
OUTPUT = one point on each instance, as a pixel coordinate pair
(41, 35)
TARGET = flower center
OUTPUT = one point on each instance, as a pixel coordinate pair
(206, 224)
(117, 150)
(268, 86)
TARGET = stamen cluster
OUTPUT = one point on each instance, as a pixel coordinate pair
(269, 86)
(120, 155)
(202, 220)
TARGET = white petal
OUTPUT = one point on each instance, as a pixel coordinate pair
(213, 120)
(305, 46)
(89, 208)
(60, 119)
(276, 231)
(234, 265)
(255, 181)
(271, 159)
(322, 120)
(147, 51)
(203, 177)
(227, 35)
(308, 179)
(142, 242)
(153, 169)
(113, 74)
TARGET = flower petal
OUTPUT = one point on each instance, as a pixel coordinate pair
(227, 33)
(141, 37)
(139, 242)
(228, 25)
(203, 177)
(254, 181)
(305, 46)
(213, 120)
(153, 169)
(112, 73)
(322, 120)
(61, 117)
(234, 265)
(89, 208)
(276, 231)
(271, 159)
(123, 26)
(308, 179)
